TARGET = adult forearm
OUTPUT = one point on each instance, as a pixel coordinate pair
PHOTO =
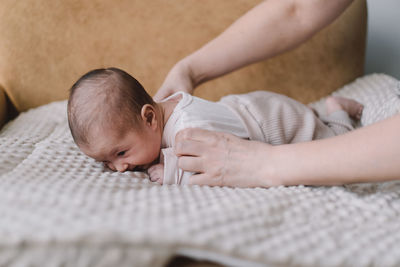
(270, 28)
(370, 154)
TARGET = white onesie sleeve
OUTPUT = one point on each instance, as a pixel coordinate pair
(172, 174)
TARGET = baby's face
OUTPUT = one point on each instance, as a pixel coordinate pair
(134, 149)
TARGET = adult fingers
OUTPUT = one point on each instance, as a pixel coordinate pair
(193, 164)
(204, 179)
(189, 148)
(197, 134)
(192, 134)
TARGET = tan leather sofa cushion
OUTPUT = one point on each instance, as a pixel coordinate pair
(46, 45)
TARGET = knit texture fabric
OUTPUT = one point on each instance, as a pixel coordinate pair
(277, 119)
(61, 208)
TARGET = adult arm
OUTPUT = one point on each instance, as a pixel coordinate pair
(368, 154)
(270, 28)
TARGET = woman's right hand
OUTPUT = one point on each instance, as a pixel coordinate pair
(222, 159)
(178, 79)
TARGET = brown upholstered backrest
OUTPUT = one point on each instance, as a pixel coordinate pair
(46, 45)
(3, 107)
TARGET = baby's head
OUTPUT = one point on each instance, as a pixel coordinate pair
(113, 120)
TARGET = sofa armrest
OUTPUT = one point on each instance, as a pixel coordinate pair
(3, 108)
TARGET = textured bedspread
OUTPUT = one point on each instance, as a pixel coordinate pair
(60, 208)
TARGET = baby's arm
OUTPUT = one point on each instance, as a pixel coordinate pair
(156, 173)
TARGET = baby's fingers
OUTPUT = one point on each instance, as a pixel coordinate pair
(154, 178)
(151, 169)
(153, 175)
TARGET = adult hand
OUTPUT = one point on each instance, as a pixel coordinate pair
(222, 159)
(179, 78)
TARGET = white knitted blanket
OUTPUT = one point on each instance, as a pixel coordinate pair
(60, 208)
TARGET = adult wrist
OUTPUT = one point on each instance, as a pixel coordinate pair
(194, 71)
(265, 165)
(277, 170)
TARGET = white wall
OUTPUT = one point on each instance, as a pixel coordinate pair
(383, 43)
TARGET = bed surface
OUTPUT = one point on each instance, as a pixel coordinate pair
(61, 208)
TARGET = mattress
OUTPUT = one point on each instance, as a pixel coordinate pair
(60, 208)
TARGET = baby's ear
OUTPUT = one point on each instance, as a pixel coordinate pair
(148, 115)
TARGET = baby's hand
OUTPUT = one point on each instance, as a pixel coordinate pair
(156, 173)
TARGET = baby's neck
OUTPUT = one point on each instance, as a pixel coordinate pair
(167, 107)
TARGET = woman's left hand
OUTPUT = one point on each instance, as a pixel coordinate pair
(178, 79)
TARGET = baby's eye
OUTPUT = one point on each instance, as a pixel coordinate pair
(121, 153)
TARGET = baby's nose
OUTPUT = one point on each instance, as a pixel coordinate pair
(122, 167)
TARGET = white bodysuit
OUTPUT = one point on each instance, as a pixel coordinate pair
(263, 116)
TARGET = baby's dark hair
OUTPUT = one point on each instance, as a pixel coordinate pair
(105, 98)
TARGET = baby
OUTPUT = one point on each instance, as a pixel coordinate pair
(113, 120)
